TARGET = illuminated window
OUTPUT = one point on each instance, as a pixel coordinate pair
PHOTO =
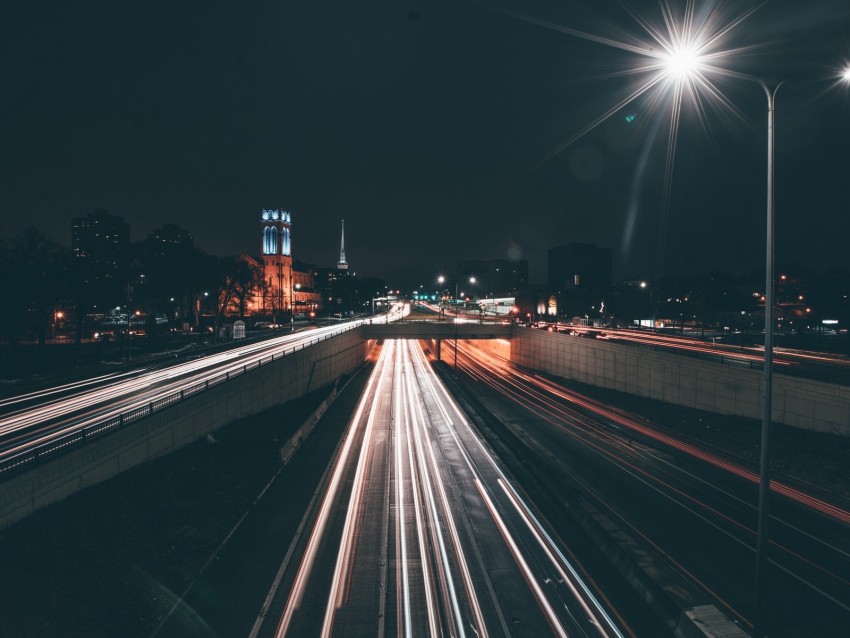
(270, 240)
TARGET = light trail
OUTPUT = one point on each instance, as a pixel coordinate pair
(88, 402)
(411, 413)
(403, 430)
(398, 415)
(424, 378)
(576, 415)
(306, 565)
(536, 382)
(601, 620)
(530, 577)
(683, 344)
(428, 480)
(572, 580)
(67, 387)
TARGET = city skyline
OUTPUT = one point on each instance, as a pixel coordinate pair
(427, 128)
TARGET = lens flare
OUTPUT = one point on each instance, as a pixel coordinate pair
(681, 63)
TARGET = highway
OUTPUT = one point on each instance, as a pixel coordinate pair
(451, 516)
(40, 418)
(831, 368)
(420, 532)
(691, 505)
(826, 367)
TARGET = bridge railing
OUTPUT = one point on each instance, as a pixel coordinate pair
(23, 461)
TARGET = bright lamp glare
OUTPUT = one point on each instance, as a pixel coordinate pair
(846, 75)
(681, 63)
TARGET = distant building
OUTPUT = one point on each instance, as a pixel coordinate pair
(100, 243)
(278, 283)
(287, 286)
(291, 286)
(494, 277)
(336, 287)
(342, 264)
(306, 298)
(169, 239)
(582, 266)
(162, 269)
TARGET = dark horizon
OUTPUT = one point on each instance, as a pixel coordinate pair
(429, 129)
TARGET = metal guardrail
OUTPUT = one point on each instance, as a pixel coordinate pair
(45, 451)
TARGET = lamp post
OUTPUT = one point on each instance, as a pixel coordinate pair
(441, 279)
(644, 285)
(682, 65)
(677, 68)
(57, 315)
(764, 453)
(295, 291)
(129, 291)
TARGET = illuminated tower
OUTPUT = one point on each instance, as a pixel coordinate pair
(277, 260)
(342, 264)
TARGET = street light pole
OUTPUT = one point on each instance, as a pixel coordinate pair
(764, 460)
(129, 299)
(680, 66)
(455, 322)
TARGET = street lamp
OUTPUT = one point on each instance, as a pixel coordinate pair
(441, 279)
(57, 315)
(682, 67)
(767, 393)
(644, 285)
(295, 291)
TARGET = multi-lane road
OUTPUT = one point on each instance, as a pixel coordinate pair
(429, 521)
(49, 417)
(686, 502)
(421, 533)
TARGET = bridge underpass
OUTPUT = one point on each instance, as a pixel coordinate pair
(438, 331)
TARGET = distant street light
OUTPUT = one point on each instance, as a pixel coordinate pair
(644, 285)
(129, 291)
(441, 279)
(56, 317)
(295, 291)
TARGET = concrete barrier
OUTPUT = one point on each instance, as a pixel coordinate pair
(714, 386)
(282, 380)
(291, 446)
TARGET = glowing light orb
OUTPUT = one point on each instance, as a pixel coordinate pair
(846, 75)
(681, 62)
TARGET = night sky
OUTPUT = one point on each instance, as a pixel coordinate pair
(424, 125)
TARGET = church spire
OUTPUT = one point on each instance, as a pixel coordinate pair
(342, 264)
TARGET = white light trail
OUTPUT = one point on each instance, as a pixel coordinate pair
(59, 416)
(399, 417)
(530, 577)
(346, 548)
(429, 478)
(306, 566)
(425, 377)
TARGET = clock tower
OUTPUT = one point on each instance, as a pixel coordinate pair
(277, 260)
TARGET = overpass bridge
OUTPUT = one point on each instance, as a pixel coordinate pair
(437, 330)
(166, 423)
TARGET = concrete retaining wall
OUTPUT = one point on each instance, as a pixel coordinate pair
(707, 385)
(499, 347)
(277, 382)
(291, 446)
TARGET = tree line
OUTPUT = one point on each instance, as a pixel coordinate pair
(42, 280)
